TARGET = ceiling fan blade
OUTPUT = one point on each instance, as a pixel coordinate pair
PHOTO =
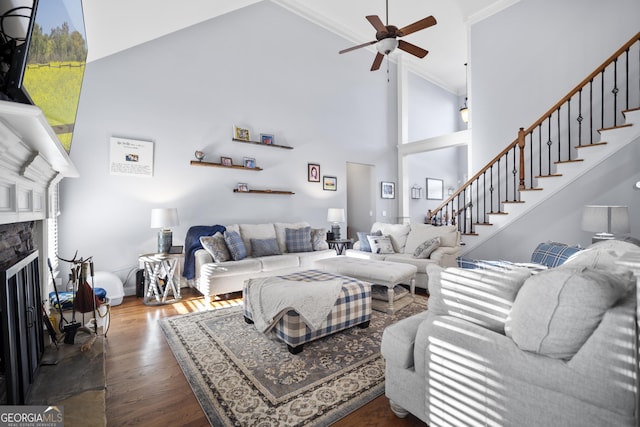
(358, 47)
(377, 23)
(417, 26)
(377, 61)
(412, 49)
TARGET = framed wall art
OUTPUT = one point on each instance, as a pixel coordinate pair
(249, 162)
(329, 183)
(313, 172)
(226, 161)
(388, 190)
(240, 133)
(266, 138)
(435, 189)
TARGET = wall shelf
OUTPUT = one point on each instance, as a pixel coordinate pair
(235, 190)
(220, 165)
(262, 143)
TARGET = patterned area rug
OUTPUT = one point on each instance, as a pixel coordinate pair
(243, 377)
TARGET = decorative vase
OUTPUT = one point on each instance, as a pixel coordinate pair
(199, 155)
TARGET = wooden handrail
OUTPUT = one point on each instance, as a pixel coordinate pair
(520, 141)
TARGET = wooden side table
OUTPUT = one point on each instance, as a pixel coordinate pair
(160, 267)
(340, 245)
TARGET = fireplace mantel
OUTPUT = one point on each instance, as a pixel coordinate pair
(32, 160)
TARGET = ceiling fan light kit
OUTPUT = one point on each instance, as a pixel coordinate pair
(387, 38)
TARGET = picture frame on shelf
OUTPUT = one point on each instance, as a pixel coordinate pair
(226, 161)
(313, 172)
(241, 133)
(435, 189)
(267, 138)
(329, 183)
(242, 187)
(249, 162)
(388, 190)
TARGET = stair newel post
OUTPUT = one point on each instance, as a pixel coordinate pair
(521, 146)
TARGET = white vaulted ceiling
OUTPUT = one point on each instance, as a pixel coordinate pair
(117, 25)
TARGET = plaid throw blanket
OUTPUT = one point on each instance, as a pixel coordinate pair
(269, 298)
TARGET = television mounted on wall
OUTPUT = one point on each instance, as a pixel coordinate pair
(43, 58)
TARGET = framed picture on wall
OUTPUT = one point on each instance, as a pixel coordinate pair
(313, 172)
(388, 190)
(329, 183)
(240, 133)
(266, 138)
(435, 189)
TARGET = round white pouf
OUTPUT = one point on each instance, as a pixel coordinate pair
(110, 283)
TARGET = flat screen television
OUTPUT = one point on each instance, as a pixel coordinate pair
(46, 65)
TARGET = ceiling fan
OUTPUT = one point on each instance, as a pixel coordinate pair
(387, 38)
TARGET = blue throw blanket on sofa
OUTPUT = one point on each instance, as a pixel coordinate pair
(192, 244)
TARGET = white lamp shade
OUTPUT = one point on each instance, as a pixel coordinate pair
(335, 215)
(164, 217)
(606, 219)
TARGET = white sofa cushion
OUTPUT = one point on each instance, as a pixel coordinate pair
(397, 232)
(602, 254)
(256, 231)
(557, 310)
(421, 233)
(483, 297)
(273, 263)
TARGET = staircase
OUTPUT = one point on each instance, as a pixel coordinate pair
(599, 117)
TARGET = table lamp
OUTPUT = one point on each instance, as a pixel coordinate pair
(335, 216)
(163, 218)
(605, 221)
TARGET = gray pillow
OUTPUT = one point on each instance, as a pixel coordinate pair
(298, 239)
(557, 310)
(264, 247)
(425, 249)
(235, 245)
(216, 247)
(483, 297)
(318, 242)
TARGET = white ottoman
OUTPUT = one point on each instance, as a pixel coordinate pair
(383, 273)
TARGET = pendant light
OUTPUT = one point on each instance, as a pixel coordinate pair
(464, 111)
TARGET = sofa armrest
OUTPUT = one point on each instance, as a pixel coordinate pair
(446, 256)
(201, 257)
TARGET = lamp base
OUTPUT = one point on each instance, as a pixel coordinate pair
(335, 229)
(601, 237)
(165, 240)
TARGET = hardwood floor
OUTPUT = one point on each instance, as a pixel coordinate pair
(145, 385)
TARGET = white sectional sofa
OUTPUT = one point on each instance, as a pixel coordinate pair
(405, 240)
(216, 278)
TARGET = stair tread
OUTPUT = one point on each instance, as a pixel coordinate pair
(553, 175)
(630, 110)
(626, 125)
(497, 213)
(568, 161)
(532, 189)
(595, 144)
(482, 223)
(513, 201)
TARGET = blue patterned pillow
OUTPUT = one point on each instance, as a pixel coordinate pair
(298, 239)
(216, 246)
(364, 242)
(235, 245)
(264, 247)
(552, 254)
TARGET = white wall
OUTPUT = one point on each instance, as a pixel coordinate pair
(523, 60)
(261, 67)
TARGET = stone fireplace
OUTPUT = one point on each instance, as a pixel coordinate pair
(32, 163)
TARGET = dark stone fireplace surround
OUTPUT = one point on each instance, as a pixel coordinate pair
(16, 240)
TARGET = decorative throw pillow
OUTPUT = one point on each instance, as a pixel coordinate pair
(425, 249)
(364, 242)
(380, 244)
(264, 247)
(483, 297)
(318, 241)
(235, 245)
(557, 310)
(216, 246)
(298, 239)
